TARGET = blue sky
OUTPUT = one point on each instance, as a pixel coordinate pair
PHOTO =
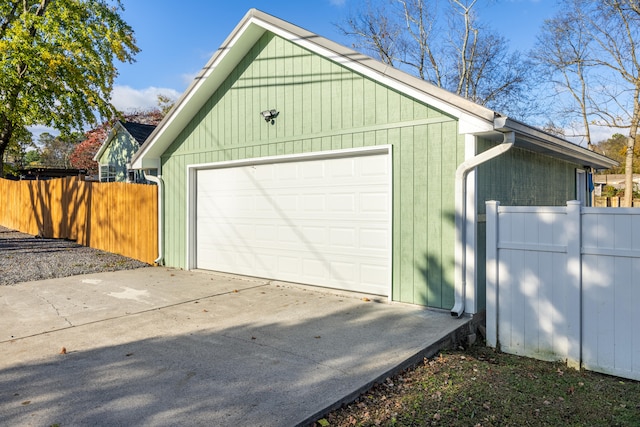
(178, 37)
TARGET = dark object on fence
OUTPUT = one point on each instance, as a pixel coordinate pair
(48, 173)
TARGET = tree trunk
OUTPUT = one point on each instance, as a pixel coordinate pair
(6, 131)
(2, 150)
(631, 142)
(628, 173)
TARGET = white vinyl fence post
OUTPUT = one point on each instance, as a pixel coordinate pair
(492, 283)
(574, 283)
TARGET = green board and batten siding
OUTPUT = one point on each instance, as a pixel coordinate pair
(524, 178)
(325, 106)
(518, 178)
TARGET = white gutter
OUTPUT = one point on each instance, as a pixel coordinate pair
(158, 180)
(509, 138)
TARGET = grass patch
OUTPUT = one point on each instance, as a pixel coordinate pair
(482, 387)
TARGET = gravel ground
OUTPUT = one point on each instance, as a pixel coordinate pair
(24, 258)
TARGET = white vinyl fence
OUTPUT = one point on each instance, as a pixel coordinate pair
(563, 283)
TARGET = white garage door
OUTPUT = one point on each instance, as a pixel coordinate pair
(322, 222)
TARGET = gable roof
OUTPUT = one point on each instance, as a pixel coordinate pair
(473, 118)
(138, 131)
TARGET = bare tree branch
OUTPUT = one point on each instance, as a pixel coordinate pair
(459, 55)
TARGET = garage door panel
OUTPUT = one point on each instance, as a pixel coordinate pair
(374, 202)
(289, 265)
(287, 202)
(266, 232)
(287, 234)
(313, 202)
(342, 240)
(232, 259)
(322, 222)
(287, 172)
(263, 262)
(374, 239)
(352, 272)
(376, 166)
(373, 275)
(344, 237)
(314, 269)
(343, 168)
(344, 272)
(314, 235)
(341, 202)
(311, 170)
(263, 173)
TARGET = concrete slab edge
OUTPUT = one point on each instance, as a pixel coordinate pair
(451, 340)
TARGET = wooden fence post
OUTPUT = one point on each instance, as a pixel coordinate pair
(573, 315)
(492, 273)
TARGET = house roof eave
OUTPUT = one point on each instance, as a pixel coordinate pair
(540, 141)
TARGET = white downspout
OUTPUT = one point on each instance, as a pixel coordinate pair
(461, 217)
(158, 180)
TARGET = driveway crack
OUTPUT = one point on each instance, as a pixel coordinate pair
(55, 309)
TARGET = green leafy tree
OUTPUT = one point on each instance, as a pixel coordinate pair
(57, 63)
(56, 150)
(165, 104)
(32, 157)
(616, 149)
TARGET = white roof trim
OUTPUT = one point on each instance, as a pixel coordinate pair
(527, 136)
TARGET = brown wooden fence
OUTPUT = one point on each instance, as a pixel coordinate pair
(612, 202)
(114, 217)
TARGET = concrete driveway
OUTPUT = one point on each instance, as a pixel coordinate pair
(156, 346)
